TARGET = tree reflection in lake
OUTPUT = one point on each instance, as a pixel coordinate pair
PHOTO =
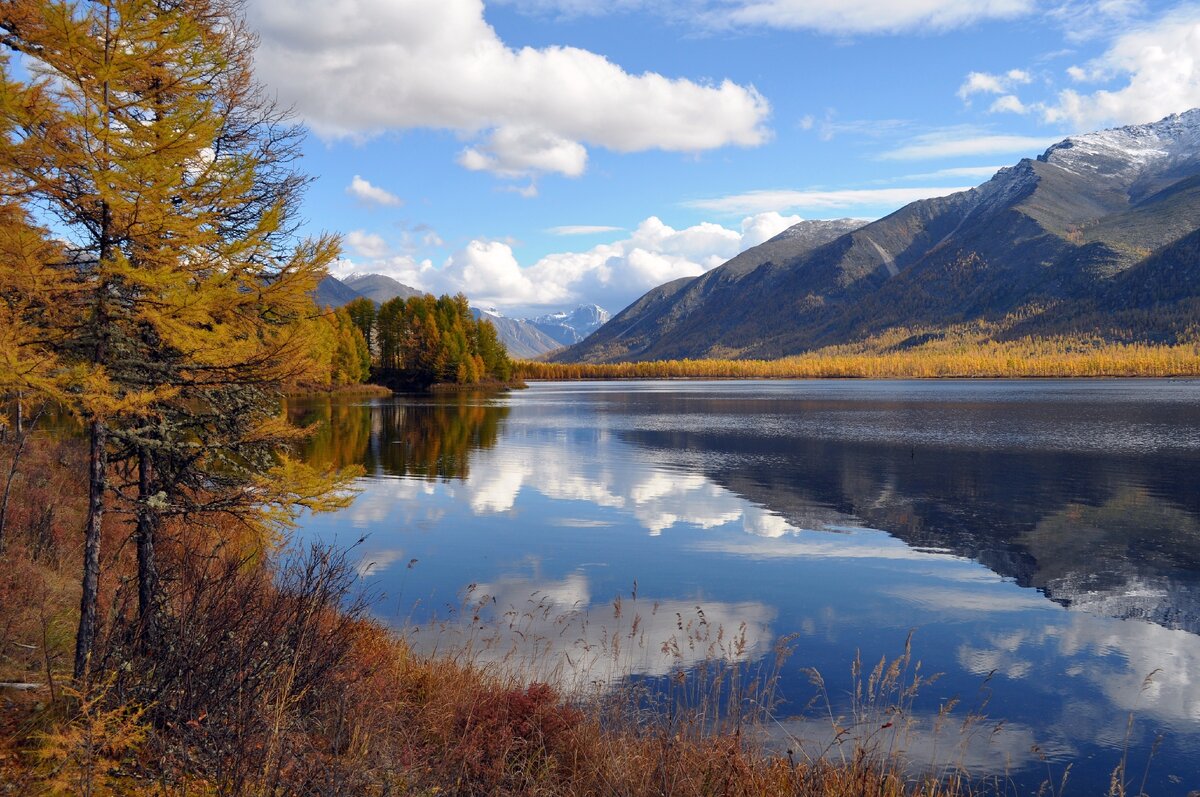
(426, 437)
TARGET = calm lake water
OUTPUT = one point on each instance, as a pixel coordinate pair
(1041, 539)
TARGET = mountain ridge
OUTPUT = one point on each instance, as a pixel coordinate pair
(1046, 237)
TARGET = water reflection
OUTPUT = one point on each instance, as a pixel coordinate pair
(928, 742)
(426, 437)
(1045, 535)
(557, 629)
(1116, 533)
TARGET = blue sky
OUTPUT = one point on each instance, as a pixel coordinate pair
(538, 154)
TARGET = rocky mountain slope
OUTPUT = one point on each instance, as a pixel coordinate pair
(332, 292)
(1095, 236)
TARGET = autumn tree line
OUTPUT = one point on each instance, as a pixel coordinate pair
(950, 354)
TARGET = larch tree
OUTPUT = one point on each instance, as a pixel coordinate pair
(142, 139)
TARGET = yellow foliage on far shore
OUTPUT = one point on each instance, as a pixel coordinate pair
(943, 359)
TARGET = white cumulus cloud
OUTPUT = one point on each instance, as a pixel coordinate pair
(367, 244)
(1158, 64)
(609, 274)
(368, 194)
(489, 273)
(1009, 103)
(988, 83)
(360, 67)
(525, 151)
(764, 226)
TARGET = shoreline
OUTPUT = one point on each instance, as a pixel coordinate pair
(888, 378)
(365, 389)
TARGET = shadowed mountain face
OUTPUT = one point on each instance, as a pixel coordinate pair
(1061, 239)
(682, 308)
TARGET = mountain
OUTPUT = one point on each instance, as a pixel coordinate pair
(636, 329)
(332, 292)
(529, 338)
(569, 328)
(522, 339)
(1095, 236)
(379, 288)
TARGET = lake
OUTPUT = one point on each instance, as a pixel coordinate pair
(1040, 540)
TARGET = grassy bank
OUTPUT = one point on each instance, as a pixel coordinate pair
(271, 679)
(891, 357)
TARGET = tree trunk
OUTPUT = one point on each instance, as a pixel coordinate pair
(97, 483)
(85, 639)
(147, 528)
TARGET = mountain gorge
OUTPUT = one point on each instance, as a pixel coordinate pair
(1097, 237)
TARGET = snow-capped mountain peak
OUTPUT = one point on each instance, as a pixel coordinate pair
(1132, 150)
(571, 327)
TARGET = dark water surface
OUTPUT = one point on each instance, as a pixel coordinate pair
(1041, 537)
